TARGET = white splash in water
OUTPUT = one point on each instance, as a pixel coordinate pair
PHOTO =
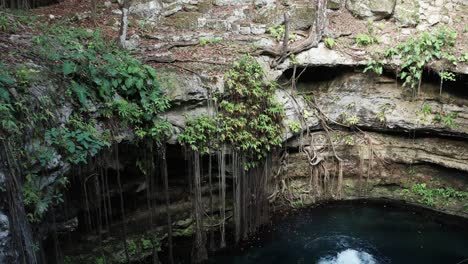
(349, 256)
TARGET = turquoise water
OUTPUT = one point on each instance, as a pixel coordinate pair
(354, 233)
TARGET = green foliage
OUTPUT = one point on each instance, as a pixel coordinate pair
(447, 119)
(7, 24)
(100, 260)
(430, 196)
(146, 244)
(77, 145)
(329, 42)
(426, 110)
(25, 77)
(105, 83)
(365, 40)
(39, 195)
(416, 52)
(463, 58)
(374, 66)
(200, 133)
(349, 120)
(101, 73)
(447, 76)
(295, 127)
(277, 32)
(349, 140)
(381, 115)
(210, 40)
(248, 119)
(370, 38)
(293, 59)
(131, 247)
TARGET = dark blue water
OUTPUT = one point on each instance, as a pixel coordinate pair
(353, 233)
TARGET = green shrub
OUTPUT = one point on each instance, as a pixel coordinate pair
(416, 52)
(210, 40)
(365, 40)
(431, 196)
(99, 82)
(277, 32)
(329, 43)
(248, 120)
(132, 247)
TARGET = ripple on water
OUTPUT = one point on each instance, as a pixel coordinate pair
(349, 256)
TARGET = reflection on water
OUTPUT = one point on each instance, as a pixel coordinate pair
(355, 233)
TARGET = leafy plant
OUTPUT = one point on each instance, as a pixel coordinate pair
(463, 57)
(76, 144)
(447, 76)
(101, 73)
(293, 59)
(249, 120)
(24, 77)
(131, 247)
(295, 127)
(210, 40)
(329, 42)
(100, 260)
(431, 196)
(447, 119)
(426, 110)
(146, 244)
(416, 52)
(277, 32)
(8, 24)
(365, 40)
(39, 195)
(200, 133)
(351, 120)
(99, 81)
(349, 140)
(374, 66)
(381, 115)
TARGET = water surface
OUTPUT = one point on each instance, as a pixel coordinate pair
(354, 233)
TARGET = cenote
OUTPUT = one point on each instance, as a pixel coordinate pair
(233, 131)
(365, 232)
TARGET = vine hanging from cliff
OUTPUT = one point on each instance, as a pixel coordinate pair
(248, 119)
(101, 86)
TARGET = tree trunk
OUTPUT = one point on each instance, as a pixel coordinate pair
(312, 40)
(124, 8)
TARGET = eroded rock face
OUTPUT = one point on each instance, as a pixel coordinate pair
(373, 9)
(401, 149)
(382, 166)
(407, 12)
(378, 103)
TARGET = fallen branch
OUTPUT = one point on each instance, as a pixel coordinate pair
(313, 38)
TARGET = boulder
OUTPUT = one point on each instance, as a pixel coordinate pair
(371, 9)
(407, 12)
(146, 9)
